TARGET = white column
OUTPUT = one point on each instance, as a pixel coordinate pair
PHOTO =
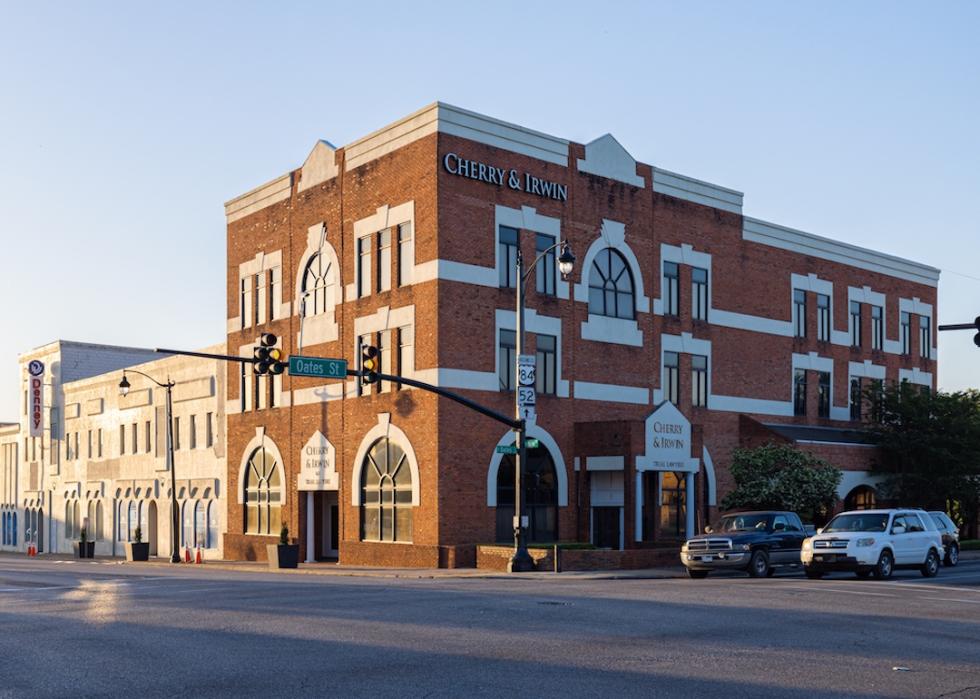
(310, 536)
(639, 505)
(689, 490)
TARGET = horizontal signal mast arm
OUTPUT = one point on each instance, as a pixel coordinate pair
(206, 355)
(960, 326)
(462, 400)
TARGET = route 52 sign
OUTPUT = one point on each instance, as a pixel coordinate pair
(525, 370)
(526, 395)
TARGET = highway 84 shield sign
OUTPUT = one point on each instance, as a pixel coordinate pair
(525, 369)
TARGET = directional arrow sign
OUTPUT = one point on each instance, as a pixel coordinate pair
(319, 367)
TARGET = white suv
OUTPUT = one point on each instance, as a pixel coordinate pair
(874, 542)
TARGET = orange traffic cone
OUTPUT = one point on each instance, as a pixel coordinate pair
(187, 554)
(33, 550)
(198, 560)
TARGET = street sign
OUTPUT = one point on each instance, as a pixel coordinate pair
(527, 412)
(532, 442)
(525, 369)
(506, 449)
(526, 395)
(319, 367)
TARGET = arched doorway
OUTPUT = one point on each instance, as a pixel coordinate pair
(540, 493)
(862, 497)
(151, 526)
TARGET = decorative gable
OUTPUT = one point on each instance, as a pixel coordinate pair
(320, 165)
(607, 158)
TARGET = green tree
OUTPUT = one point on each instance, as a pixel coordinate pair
(930, 443)
(782, 477)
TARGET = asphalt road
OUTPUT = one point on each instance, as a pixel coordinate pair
(87, 629)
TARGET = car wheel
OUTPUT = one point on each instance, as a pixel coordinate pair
(931, 567)
(952, 555)
(863, 574)
(813, 574)
(759, 564)
(886, 564)
(697, 574)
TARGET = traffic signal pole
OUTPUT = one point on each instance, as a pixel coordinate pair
(975, 325)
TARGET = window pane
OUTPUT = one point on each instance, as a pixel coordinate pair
(670, 359)
(370, 523)
(403, 524)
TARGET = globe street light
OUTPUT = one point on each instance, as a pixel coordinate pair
(124, 387)
(521, 559)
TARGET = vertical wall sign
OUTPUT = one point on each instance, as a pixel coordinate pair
(35, 397)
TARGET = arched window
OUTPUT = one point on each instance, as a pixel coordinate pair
(27, 525)
(97, 534)
(134, 519)
(13, 528)
(386, 493)
(3, 537)
(540, 493)
(121, 521)
(263, 494)
(91, 532)
(200, 524)
(187, 524)
(318, 282)
(69, 521)
(861, 498)
(611, 286)
(76, 518)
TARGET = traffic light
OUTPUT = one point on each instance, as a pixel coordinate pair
(369, 364)
(267, 358)
(976, 338)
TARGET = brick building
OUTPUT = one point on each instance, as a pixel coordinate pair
(686, 330)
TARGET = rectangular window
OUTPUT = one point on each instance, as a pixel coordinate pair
(406, 254)
(925, 337)
(545, 271)
(90, 444)
(546, 364)
(671, 289)
(245, 388)
(134, 447)
(699, 380)
(506, 358)
(507, 255)
(799, 311)
(209, 430)
(671, 377)
(699, 293)
(245, 301)
(100, 443)
(147, 438)
(176, 433)
(856, 398)
(261, 298)
(406, 350)
(192, 440)
(906, 332)
(363, 266)
(877, 328)
(275, 291)
(823, 394)
(823, 317)
(384, 260)
(384, 350)
(799, 392)
(877, 399)
(855, 324)
(122, 439)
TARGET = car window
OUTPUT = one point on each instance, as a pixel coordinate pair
(902, 521)
(779, 522)
(938, 519)
(858, 522)
(795, 524)
(915, 523)
(735, 523)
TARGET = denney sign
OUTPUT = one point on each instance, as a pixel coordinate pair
(35, 382)
(491, 174)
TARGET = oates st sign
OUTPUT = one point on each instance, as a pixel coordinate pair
(512, 179)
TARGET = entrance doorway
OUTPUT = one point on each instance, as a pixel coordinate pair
(605, 527)
(329, 525)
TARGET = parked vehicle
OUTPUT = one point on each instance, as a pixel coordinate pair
(874, 542)
(756, 542)
(951, 537)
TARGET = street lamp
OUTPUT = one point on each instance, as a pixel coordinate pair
(521, 560)
(174, 513)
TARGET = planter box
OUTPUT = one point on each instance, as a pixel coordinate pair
(137, 552)
(84, 549)
(283, 555)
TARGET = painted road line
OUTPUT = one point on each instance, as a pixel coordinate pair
(952, 599)
(817, 588)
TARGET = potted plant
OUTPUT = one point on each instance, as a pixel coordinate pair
(136, 550)
(83, 547)
(283, 554)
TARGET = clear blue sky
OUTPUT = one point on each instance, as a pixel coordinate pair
(125, 126)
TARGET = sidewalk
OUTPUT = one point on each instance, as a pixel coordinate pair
(337, 570)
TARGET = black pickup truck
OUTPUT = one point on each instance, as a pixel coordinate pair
(756, 542)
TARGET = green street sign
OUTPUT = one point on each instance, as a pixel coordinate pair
(318, 367)
(506, 449)
(532, 443)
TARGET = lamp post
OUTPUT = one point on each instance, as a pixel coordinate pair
(521, 560)
(174, 513)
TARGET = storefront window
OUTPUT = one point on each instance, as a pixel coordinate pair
(673, 509)
(386, 494)
(263, 494)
